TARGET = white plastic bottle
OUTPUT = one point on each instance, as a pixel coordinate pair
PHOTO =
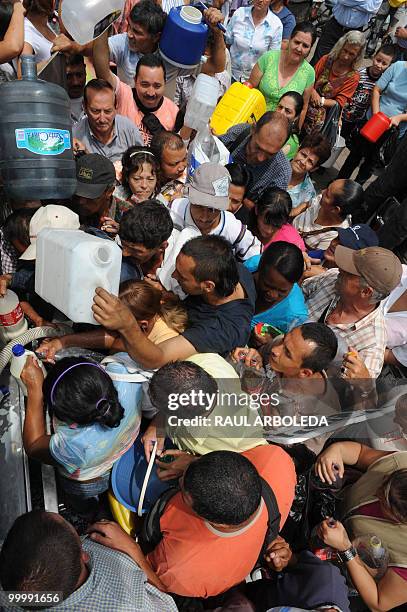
(17, 364)
(12, 321)
(202, 102)
(85, 20)
(373, 554)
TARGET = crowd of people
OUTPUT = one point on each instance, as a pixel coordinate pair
(236, 279)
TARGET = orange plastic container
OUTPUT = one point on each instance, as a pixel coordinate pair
(240, 104)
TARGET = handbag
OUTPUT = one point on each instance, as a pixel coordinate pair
(331, 125)
(387, 146)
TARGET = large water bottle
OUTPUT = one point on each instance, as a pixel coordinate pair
(88, 19)
(202, 102)
(36, 157)
(12, 320)
(373, 554)
(70, 265)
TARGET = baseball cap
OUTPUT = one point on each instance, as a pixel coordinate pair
(380, 268)
(94, 173)
(209, 186)
(56, 217)
(357, 237)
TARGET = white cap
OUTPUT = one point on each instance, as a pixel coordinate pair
(56, 217)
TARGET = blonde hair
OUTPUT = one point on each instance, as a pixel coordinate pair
(354, 37)
(145, 302)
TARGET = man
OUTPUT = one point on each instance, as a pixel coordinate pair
(102, 130)
(333, 208)
(299, 361)
(205, 212)
(43, 552)
(259, 148)
(214, 528)
(220, 306)
(145, 25)
(146, 236)
(171, 153)
(76, 80)
(146, 104)
(355, 238)
(346, 15)
(94, 200)
(348, 300)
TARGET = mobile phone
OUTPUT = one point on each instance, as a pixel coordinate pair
(265, 328)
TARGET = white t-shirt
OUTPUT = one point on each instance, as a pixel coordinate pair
(396, 322)
(41, 45)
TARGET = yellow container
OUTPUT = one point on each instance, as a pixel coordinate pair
(240, 104)
(122, 515)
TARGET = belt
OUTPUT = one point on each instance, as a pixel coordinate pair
(345, 29)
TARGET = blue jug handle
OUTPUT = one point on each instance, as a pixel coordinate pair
(218, 25)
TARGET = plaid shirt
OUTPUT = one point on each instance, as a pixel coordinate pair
(115, 584)
(367, 336)
(8, 256)
(275, 172)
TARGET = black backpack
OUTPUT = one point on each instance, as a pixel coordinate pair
(151, 533)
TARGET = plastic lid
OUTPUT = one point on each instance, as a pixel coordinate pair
(191, 14)
(375, 542)
(18, 350)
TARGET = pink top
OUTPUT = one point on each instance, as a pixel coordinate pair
(374, 510)
(166, 114)
(287, 233)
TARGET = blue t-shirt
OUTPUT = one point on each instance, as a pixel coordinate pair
(393, 99)
(287, 19)
(287, 314)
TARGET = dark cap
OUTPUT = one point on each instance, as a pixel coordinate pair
(94, 173)
(357, 237)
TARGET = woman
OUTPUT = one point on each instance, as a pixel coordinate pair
(278, 72)
(291, 105)
(279, 8)
(252, 31)
(140, 171)
(158, 319)
(11, 37)
(376, 504)
(38, 36)
(389, 97)
(90, 429)
(280, 301)
(336, 79)
(270, 220)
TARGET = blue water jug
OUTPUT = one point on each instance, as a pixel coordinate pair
(36, 156)
(183, 40)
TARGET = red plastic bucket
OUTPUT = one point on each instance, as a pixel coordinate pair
(377, 125)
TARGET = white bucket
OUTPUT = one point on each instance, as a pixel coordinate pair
(70, 264)
(336, 151)
(85, 20)
(202, 103)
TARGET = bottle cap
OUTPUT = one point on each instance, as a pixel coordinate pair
(375, 542)
(18, 350)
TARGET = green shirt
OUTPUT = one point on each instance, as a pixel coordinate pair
(269, 86)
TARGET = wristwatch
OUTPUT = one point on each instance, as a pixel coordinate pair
(347, 555)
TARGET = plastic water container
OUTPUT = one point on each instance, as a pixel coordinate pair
(337, 149)
(183, 39)
(36, 157)
(202, 102)
(88, 19)
(12, 321)
(70, 264)
(17, 364)
(373, 554)
(240, 104)
(377, 125)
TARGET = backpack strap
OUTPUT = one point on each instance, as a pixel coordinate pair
(239, 139)
(274, 516)
(151, 534)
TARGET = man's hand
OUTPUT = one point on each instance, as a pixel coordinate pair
(213, 16)
(251, 357)
(48, 348)
(110, 226)
(353, 367)
(395, 120)
(278, 554)
(309, 261)
(5, 282)
(175, 469)
(335, 535)
(110, 312)
(110, 534)
(149, 438)
(329, 464)
(78, 146)
(63, 44)
(32, 375)
(313, 271)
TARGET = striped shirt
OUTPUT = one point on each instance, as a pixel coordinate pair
(355, 109)
(367, 336)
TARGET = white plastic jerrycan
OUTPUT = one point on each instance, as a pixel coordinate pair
(85, 20)
(70, 264)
